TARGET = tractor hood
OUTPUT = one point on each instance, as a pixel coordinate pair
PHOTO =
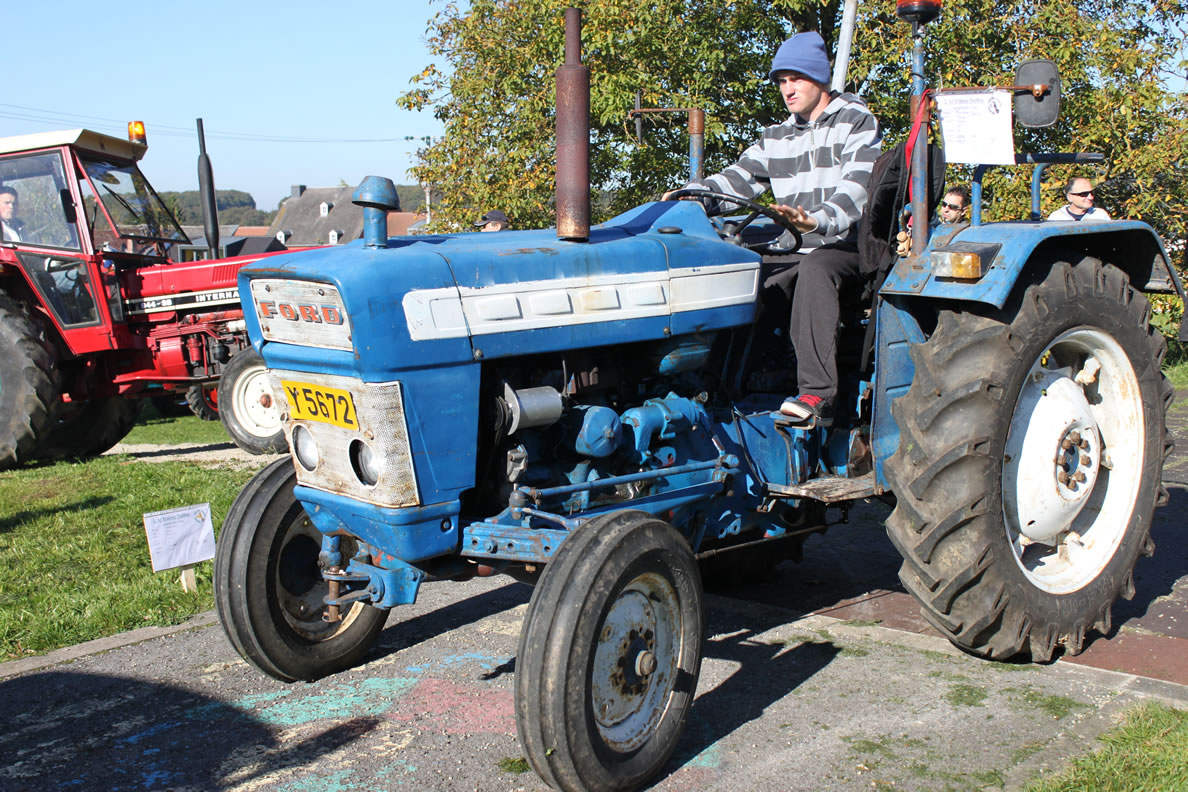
(436, 300)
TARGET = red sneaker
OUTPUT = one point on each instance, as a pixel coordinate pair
(808, 407)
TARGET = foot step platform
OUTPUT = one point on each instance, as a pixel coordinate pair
(828, 489)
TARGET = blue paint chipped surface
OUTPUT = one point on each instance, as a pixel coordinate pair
(365, 697)
(151, 731)
(330, 782)
(485, 662)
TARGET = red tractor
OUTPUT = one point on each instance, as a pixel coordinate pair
(93, 314)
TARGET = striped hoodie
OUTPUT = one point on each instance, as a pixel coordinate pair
(822, 165)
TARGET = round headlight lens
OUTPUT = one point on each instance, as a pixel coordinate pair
(305, 449)
(367, 465)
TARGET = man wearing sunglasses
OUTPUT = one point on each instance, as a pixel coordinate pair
(954, 205)
(1079, 194)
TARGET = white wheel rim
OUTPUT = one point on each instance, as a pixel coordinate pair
(1073, 460)
(636, 661)
(254, 404)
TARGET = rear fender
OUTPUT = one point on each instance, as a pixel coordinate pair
(907, 302)
(1130, 245)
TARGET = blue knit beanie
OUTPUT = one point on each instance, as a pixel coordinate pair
(804, 53)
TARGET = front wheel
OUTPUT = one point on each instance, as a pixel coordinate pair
(268, 587)
(1031, 450)
(247, 409)
(609, 654)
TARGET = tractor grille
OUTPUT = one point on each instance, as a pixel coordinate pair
(378, 411)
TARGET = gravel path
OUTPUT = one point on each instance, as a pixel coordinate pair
(205, 454)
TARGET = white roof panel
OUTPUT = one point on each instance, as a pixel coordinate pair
(85, 139)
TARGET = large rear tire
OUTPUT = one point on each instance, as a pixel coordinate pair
(1031, 449)
(86, 429)
(268, 587)
(609, 654)
(203, 401)
(28, 383)
(248, 409)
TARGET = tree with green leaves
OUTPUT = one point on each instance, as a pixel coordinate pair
(1120, 72)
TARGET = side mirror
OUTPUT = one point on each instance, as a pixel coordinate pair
(1033, 111)
(67, 206)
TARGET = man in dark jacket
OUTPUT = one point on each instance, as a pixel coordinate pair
(817, 164)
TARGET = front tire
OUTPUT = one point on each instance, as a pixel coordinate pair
(1031, 450)
(247, 409)
(268, 587)
(610, 654)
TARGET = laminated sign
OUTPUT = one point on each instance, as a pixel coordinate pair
(180, 537)
(976, 126)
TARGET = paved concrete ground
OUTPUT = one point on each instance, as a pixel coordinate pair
(822, 678)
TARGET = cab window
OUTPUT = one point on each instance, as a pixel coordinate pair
(35, 203)
(64, 285)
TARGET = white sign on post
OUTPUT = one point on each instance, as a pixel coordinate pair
(976, 126)
(180, 537)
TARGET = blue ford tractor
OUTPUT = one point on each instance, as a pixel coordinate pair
(595, 409)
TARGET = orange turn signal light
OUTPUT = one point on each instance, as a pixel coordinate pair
(966, 265)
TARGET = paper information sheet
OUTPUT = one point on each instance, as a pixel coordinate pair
(976, 126)
(180, 537)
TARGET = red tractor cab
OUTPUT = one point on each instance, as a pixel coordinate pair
(93, 313)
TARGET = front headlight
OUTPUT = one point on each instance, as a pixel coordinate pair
(366, 464)
(305, 448)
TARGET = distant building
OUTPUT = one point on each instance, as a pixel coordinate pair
(317, 216)
(252, 231)
(232, 242)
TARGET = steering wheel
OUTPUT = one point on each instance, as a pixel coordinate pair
(756, 210)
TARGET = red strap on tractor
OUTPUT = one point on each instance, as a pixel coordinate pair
(921, 111)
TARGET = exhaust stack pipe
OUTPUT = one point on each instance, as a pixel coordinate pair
(573, 136)
(206, 191)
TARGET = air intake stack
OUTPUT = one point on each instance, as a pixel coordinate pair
(573, 136)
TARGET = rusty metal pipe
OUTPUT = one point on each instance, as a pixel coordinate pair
(573, 136)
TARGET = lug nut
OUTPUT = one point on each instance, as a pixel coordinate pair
(1080, 476)
(1075, 437)
(1066, 444)
(645, 664)
(1083, 444)
(1085, 459)
(1062, 477)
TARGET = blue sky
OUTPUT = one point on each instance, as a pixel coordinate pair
(271, 71)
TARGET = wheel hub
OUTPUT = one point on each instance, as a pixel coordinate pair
(1072, 462)
(635, 662)
(1052, 456)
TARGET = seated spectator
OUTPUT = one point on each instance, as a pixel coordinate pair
(955, 204)
(1079, 194)
(494, 220)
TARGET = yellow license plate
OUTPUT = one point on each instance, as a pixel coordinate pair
(320, 403)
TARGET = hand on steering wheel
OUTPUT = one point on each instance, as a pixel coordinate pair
(756, 210)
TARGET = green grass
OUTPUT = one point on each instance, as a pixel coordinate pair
(1177, 373)
(74, 554)
(515, 765)
(966, 696)
(1146, 753)
(152, 428)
